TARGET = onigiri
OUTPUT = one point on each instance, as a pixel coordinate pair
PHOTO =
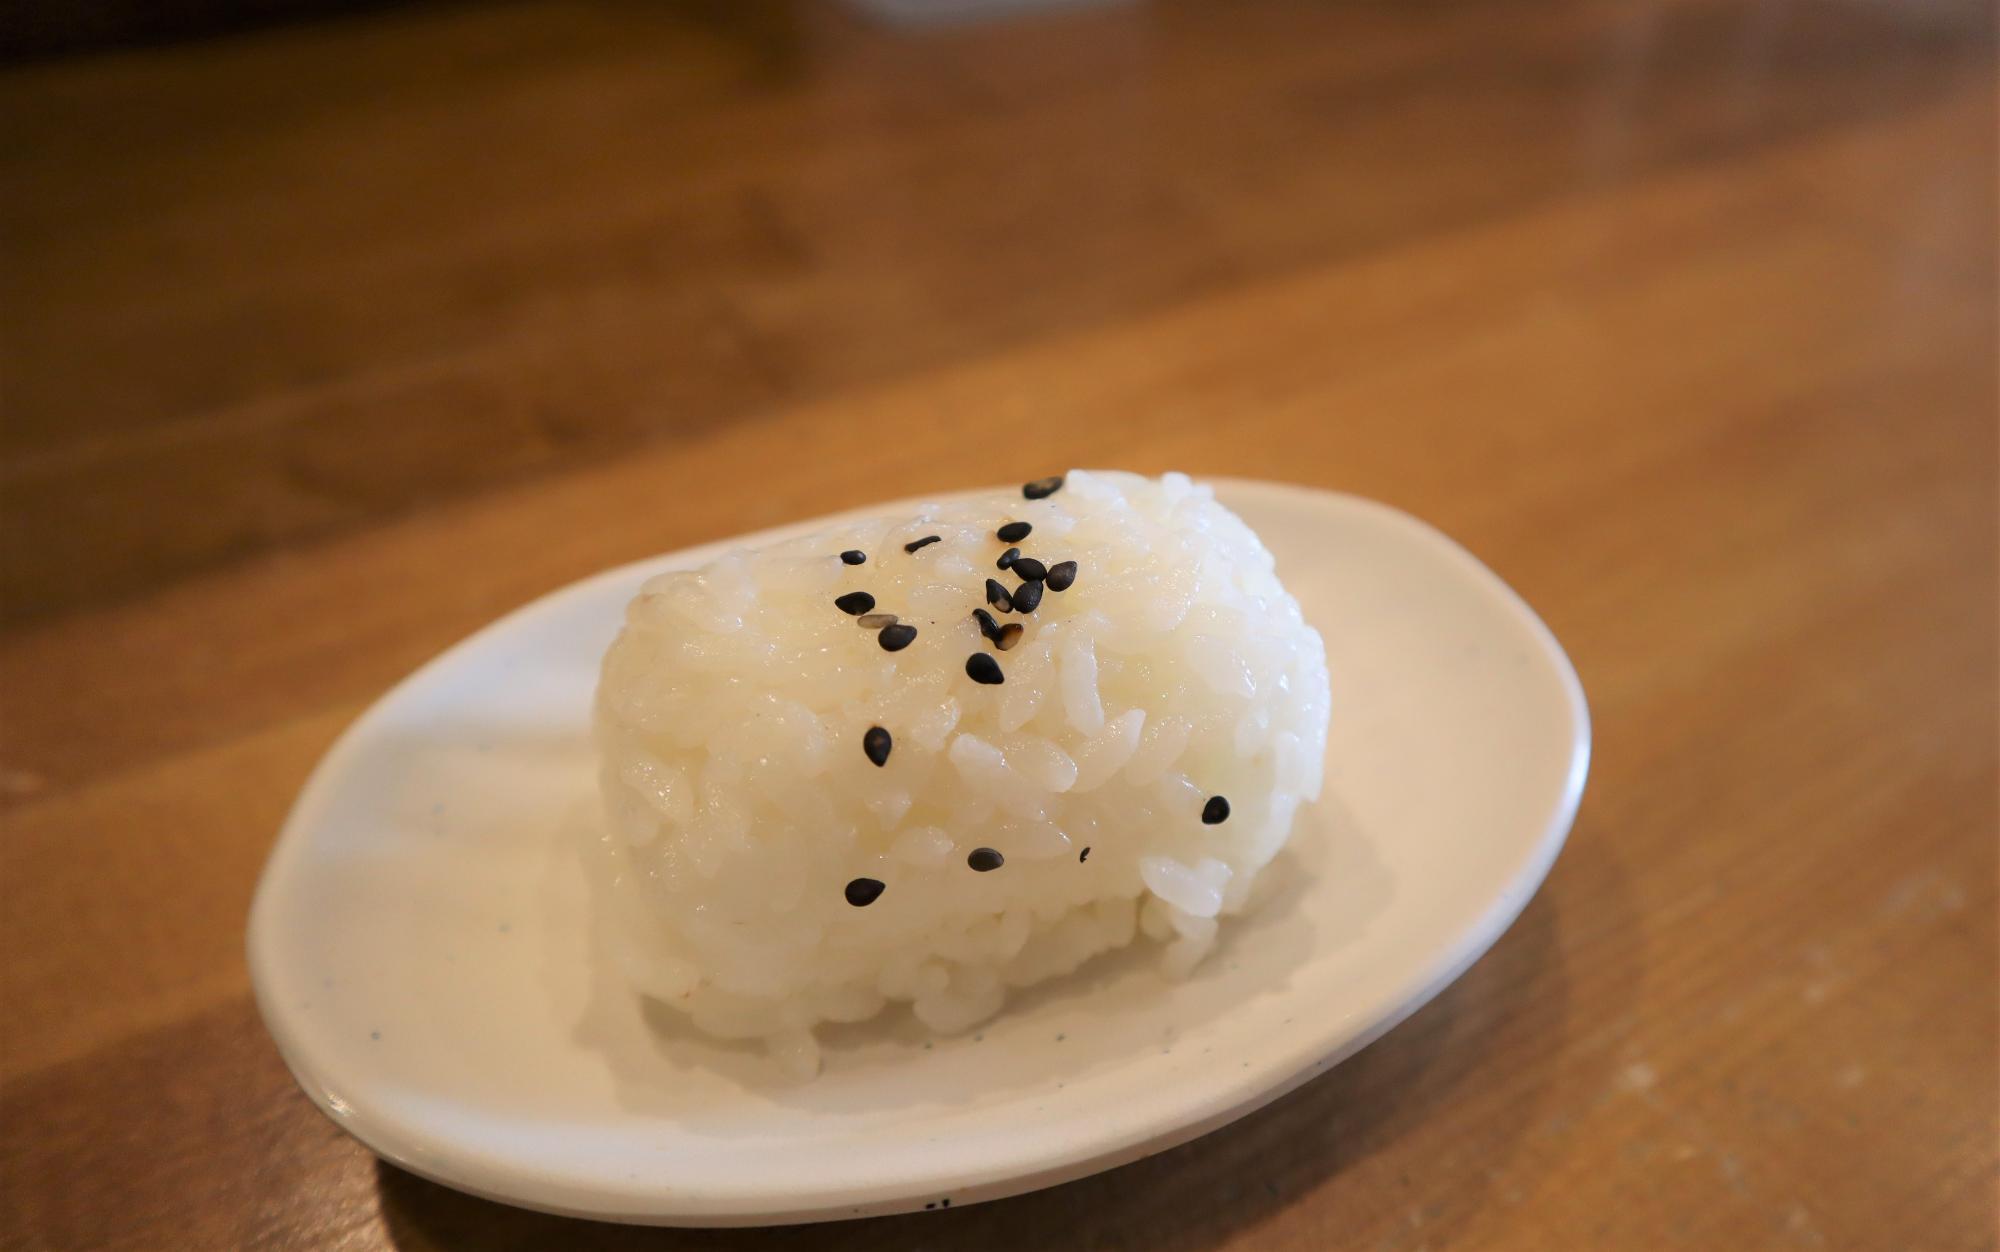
(929, 758)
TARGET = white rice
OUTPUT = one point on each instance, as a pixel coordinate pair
(730, 719)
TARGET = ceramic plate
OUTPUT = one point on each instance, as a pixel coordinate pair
(421, 950)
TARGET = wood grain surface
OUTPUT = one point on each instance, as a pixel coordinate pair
(324, 344)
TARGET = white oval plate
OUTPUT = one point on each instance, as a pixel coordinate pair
(421, 950)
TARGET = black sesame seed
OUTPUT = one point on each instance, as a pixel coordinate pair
(854, 556)
(876, 744)
(1007, 558)
(997, 596)
(1027, 596)
(1083, 856)
(925, 542)
(855, 602)
(1042, 487)
(987, 626)
(875, 621)
(1215, 812)
(982, 668)
(896, 638)
(985, 860)
(1029, 568)
(862, 892)
(1009, 635)
(1061, 575)
(1014, 532)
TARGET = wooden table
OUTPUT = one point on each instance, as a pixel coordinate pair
(325, 344)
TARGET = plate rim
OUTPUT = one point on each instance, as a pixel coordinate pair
(406, 1145)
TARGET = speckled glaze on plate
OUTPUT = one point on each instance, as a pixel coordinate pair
(421, 948)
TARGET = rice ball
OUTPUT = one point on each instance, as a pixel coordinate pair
(931, 758)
